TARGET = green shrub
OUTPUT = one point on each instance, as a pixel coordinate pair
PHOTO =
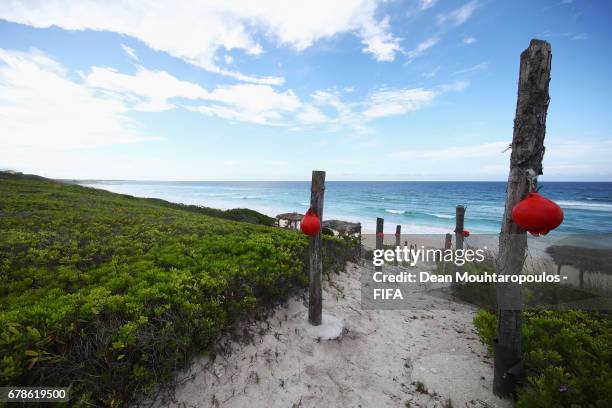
(568, 356)
(110, 293)
(485, 323)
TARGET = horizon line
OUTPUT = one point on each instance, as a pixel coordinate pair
(10, 171)
(332, 181)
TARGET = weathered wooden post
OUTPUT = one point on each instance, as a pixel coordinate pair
(448, 242)
(525, 167)
(459, 222)
(360, 243)
(315, 308)
(398, 236)
(379, 237)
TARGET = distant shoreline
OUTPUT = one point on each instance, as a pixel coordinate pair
(80, 181)
(419, 207)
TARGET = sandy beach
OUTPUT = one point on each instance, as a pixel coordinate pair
(424, 356)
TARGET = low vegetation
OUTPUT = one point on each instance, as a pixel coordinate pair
(568, 353)
(110, 294)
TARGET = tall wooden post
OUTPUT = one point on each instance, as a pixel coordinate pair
(525, 167)
(315, 308)
(398, 235)
(379, 237)
(459, 222)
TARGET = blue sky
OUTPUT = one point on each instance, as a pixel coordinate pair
(269, 90)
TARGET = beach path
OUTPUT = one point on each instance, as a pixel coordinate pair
(420, 357)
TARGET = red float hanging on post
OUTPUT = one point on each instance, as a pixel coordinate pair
(310, 225)
(537, 215)
(465, 233)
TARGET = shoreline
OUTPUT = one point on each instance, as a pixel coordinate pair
(368, 225)
(427, 235)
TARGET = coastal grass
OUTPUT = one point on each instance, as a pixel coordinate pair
(111, 294)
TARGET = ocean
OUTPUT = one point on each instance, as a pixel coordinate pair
(421, 207)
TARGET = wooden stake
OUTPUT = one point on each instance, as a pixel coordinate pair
(525, 167)
(448, 242)
(379, 237)
(459, 222)
(360, 243)
(398, 235)
(315, 308)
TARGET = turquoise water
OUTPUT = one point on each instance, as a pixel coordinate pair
(420, 207)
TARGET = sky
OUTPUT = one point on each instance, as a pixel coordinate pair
(270, 90)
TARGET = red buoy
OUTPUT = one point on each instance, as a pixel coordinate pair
(465, 233)
(537, 214)
(310, 225)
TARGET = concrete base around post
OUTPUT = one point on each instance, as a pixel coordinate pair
(331, 328)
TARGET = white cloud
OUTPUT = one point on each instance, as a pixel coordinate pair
(130, 52)
(458, 16)
(397, 102)
(432, 73)
(230, 113)
(339, 114)
(379, 41)
(196, 31)
(264, 80)
(392, 102)
(566, 34)
(153, 91)
(345, 114)
(255, 97)
(328, 98)
(426, 4)
(457, 86)
(422, 47)
(148, 91)
(42, 108)
(469, 40)
(482, 66)
(311, 115)
(253, 103)
(39, 99)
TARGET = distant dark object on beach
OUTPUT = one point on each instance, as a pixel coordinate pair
(582, 258)
(336, 227)
(343, 227)
(289, 220)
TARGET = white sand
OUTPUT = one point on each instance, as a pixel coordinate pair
(376, 361)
